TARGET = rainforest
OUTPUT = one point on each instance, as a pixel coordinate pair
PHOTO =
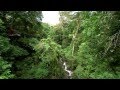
(83, 45)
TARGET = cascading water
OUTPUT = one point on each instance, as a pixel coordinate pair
(68, 71)
(65, 68)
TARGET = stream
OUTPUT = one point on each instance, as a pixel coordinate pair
(68, 71)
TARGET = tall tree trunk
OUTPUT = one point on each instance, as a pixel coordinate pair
(74, 36)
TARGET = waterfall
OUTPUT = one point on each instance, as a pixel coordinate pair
(68, 71)
(65, 68)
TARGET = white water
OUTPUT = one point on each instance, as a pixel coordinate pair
(68, 71)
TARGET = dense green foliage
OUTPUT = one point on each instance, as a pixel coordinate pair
(88, 41)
